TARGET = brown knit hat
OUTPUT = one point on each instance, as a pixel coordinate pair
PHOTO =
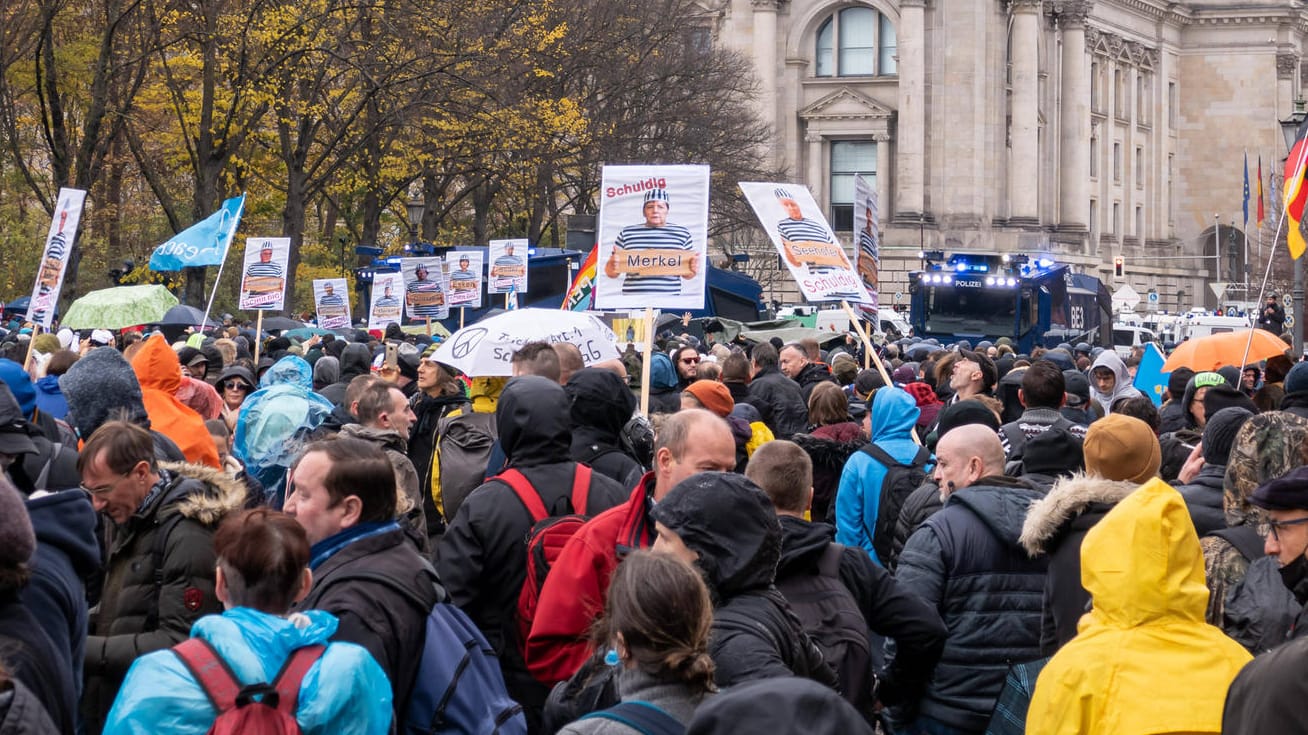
(1121, 447)
(712, 395)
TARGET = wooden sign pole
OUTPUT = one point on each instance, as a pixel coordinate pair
(258, 337)
(648, 359)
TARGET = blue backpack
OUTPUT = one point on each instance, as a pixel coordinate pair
(458, 687)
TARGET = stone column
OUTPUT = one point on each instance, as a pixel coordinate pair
(883, 176)
(910, 136)
(1023, 170)
(765, 61)
(1074, 118)
(814, 169)
(1286, 64)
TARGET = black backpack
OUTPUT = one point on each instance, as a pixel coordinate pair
(831, 616)
(899, 482)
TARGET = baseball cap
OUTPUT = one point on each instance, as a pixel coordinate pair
(102, 337)
(989, 374)
(1077, 387)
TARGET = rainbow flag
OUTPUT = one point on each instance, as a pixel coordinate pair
(582, 292)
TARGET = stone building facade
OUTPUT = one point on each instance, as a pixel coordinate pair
(1083, 129)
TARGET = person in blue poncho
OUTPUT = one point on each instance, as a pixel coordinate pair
(276, 421)
(263, 568)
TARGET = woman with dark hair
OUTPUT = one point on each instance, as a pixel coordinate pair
(263, 569)
(832, 437)
(656, 629)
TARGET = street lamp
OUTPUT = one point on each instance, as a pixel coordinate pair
(415, 208)
(1291, 129)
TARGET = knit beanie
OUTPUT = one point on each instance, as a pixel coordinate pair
(1297, 379)
(17, 540)
(99, 385)
(1054, 451)
(714, 396)
(963, 413)
(1220, 431)
(1232, 375)
(1177, 381)
(1219, 397)
(1119, 447)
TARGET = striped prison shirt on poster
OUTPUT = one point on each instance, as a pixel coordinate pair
(642, 237)
(424, 286)
(264, 270)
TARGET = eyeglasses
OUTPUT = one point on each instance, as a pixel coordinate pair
(689, 360)
(236, 385)
(99, 491)
(1274, 527)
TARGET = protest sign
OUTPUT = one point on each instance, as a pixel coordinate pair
(464, 268)
(805, 242)
(653, 237)
(263, 277)
(425, 294)
(508, 266)
(54, 259)
(331, 299)
(867, 239)
(387, 300)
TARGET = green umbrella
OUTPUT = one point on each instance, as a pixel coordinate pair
(119, 307)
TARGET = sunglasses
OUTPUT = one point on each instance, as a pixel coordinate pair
(236, 385)
(689, 360)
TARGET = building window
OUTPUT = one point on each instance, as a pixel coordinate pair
(1096, 99)
(1117, 163)
(1139, 222)
(1171, 105)
(1094, 157)
(1139, 167)
(849, 157)
(699, 39)
(1170, 161)
(1094, 217)
(1117, 218)
(856, 42)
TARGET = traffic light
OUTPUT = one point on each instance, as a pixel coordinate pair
(1119, 265)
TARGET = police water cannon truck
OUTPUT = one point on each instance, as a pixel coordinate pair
(1031, 299)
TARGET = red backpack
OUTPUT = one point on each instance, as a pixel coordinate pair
(546, 539)
(239, 711)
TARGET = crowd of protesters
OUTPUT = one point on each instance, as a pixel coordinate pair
(789, 539)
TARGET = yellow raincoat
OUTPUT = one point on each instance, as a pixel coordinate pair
(1143, 661)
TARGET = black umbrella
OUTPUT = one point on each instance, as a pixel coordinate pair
(184, 316)
(280, 324)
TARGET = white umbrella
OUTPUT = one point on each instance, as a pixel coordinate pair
(486, 348)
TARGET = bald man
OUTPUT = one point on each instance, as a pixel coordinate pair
(967, 563)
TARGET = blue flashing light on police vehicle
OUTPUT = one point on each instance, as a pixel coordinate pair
(1032, 300)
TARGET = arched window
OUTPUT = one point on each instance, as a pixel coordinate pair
(855, 42)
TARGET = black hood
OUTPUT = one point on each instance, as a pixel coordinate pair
(66, 521)
(802, 544)
(533, 422)
(600, 401)
(356, 360)
(779, 706)
(731, 524)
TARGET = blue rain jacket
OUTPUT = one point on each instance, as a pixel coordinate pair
(276, 420)
(345, 692)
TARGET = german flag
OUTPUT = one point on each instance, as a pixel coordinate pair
(1296, 194)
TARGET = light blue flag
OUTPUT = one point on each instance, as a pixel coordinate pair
(203, 243)
(1149, 376)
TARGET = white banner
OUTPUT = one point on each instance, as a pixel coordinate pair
(463, 274)
(54, 259)
(805, 242)
(331, 300)
(263, 277)
(653, 237)
(387, 300)
(425, 293)
(508, 266)
(867, 241)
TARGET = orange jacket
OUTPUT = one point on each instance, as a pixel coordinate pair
(160, 374)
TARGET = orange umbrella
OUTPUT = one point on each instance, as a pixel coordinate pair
(1225, 348)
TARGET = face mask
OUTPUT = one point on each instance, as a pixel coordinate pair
(1293, 576)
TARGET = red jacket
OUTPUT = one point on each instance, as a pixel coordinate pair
(573, 595)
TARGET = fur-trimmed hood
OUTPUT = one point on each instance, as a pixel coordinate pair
(222, 493)
(1067, 499)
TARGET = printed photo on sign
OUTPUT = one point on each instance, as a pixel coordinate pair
(387, 300)
(54, 259)
(263, 277)
(464, 268)
(868, 241)
(331, 299)
(508, 266)
(653, 237)
(805, 242)
(425, 295)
